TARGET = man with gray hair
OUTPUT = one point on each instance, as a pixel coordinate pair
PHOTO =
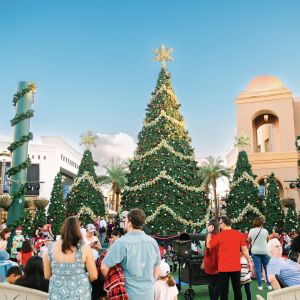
(288, 270)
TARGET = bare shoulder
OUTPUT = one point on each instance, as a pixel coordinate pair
(85, 249)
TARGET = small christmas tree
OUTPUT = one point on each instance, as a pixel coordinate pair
(274, 212)
(86, 192)
(25, 222)
(57, 210)
(164, 178)
(291, 219)
(243, 193)
(40, 218)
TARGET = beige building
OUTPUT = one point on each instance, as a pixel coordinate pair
(269, 114)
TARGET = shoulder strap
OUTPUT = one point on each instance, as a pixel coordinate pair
(257, 236)
(79, 252)
(50, 252)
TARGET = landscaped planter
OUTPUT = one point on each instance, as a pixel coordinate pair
(5, 201)
(41, 203)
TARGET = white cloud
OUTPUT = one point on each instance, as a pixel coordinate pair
(120, 145)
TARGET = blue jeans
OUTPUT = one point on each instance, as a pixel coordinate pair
(260, 260)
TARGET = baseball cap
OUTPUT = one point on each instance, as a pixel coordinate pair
(164, 269)
(90, 228)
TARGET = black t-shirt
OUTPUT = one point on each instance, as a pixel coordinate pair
(43, 286)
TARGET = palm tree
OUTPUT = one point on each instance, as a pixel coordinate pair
(211, 170)
(115, 176)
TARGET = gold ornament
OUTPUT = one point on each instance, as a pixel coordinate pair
(88, 139)
(163, 54)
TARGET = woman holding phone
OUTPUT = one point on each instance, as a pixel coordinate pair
(92, 240)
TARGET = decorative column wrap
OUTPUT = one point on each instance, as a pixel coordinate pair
(19, 148)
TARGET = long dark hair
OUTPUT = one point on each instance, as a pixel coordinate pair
(70, 234)
(33, 273)
(26, 247)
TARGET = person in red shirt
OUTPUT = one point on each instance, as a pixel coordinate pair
(229, 243)
(25, 253)
(211, 263)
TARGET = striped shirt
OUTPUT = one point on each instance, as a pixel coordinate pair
(245, 272)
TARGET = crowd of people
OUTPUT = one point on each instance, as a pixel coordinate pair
(74, 265)
(77, 264)
(232, 255)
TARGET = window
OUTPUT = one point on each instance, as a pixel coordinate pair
(39, 157)
(33, 178)
(44, 157)
(32, 156)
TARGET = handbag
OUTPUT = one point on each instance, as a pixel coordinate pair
(254, 240)
(102, 229)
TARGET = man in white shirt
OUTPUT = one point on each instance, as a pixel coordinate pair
(102, 230)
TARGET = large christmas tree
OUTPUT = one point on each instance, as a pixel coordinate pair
(57, 209)
(274, 212)
(243, 202)
(86, 198)
(164, 179)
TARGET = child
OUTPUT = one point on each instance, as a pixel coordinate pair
(13, 274)
(18, 239)
(245, 276)
(25, 253)
(165, 287)
(114, 283)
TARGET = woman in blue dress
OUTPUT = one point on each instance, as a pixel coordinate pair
(69, 265)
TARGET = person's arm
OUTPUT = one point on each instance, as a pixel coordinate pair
(104, 269)
(47, 266)
(156, 268)
(209, 242)
(90, 263)
(115, 255)
(247, 256)
(155, 272)
(273, 268)
(275, 284)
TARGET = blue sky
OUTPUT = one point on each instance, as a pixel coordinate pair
(93, 61)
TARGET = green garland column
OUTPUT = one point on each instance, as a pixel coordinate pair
(19, 148)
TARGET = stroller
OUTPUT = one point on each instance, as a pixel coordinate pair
(189, 263)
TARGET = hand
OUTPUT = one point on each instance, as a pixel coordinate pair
(249, 266)
(210, 228)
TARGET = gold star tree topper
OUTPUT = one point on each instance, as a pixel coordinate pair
(88, 139)
(163, 55)
(242, 141)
